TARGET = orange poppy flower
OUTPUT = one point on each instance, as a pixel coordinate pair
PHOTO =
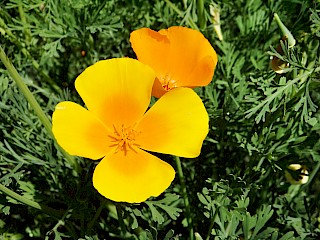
(117, 128)
(180, 56)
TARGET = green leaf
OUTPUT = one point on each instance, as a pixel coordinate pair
(6, 210)
(263, 216)
(164, 204)
(264, 234)
(202, 199)
(248, 224)
(134, 224)
(169, 235)
(287, 236)
(156, 215)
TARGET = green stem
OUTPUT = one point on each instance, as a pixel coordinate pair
(26, 92)
(201, 14)
(27, 54)
(120, 219)
(212, 223)
(185, 197)
(34, 104)
(26, 201)
(24, 23)
(97, 214)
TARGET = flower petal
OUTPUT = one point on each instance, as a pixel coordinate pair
(79, 132)
(176, 124)
(151, 48)
(133, 177)
(182, 54)
(191, 52)
(157, 89)
(116, 90)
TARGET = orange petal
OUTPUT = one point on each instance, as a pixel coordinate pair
(116, 90)
(79, 132)
(133, 177)
(176, 124)
(157, 89)
(151, 48)
(180, 54)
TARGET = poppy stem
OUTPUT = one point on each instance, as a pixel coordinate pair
(50, 211)
(97, 214)
(185, 197)
(120, 219)
(13, 73)
(201, 14)
(26, 28)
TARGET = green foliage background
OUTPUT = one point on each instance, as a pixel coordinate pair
(260, 122)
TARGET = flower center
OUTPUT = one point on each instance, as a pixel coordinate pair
(167, 82)
(123, 138)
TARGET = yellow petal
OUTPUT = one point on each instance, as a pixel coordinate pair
(79, 132)
(133, 177)
(117, 91)
(176, 124)
(180, 55)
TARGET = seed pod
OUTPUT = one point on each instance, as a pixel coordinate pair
(286, 33)
(278, 65)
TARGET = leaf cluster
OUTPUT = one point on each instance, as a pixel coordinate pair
(260, 121)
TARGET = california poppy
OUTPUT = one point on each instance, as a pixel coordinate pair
(180, 56)
(117, 128)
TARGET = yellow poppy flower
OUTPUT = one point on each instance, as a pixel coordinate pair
(180, 56)
(117, 128)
